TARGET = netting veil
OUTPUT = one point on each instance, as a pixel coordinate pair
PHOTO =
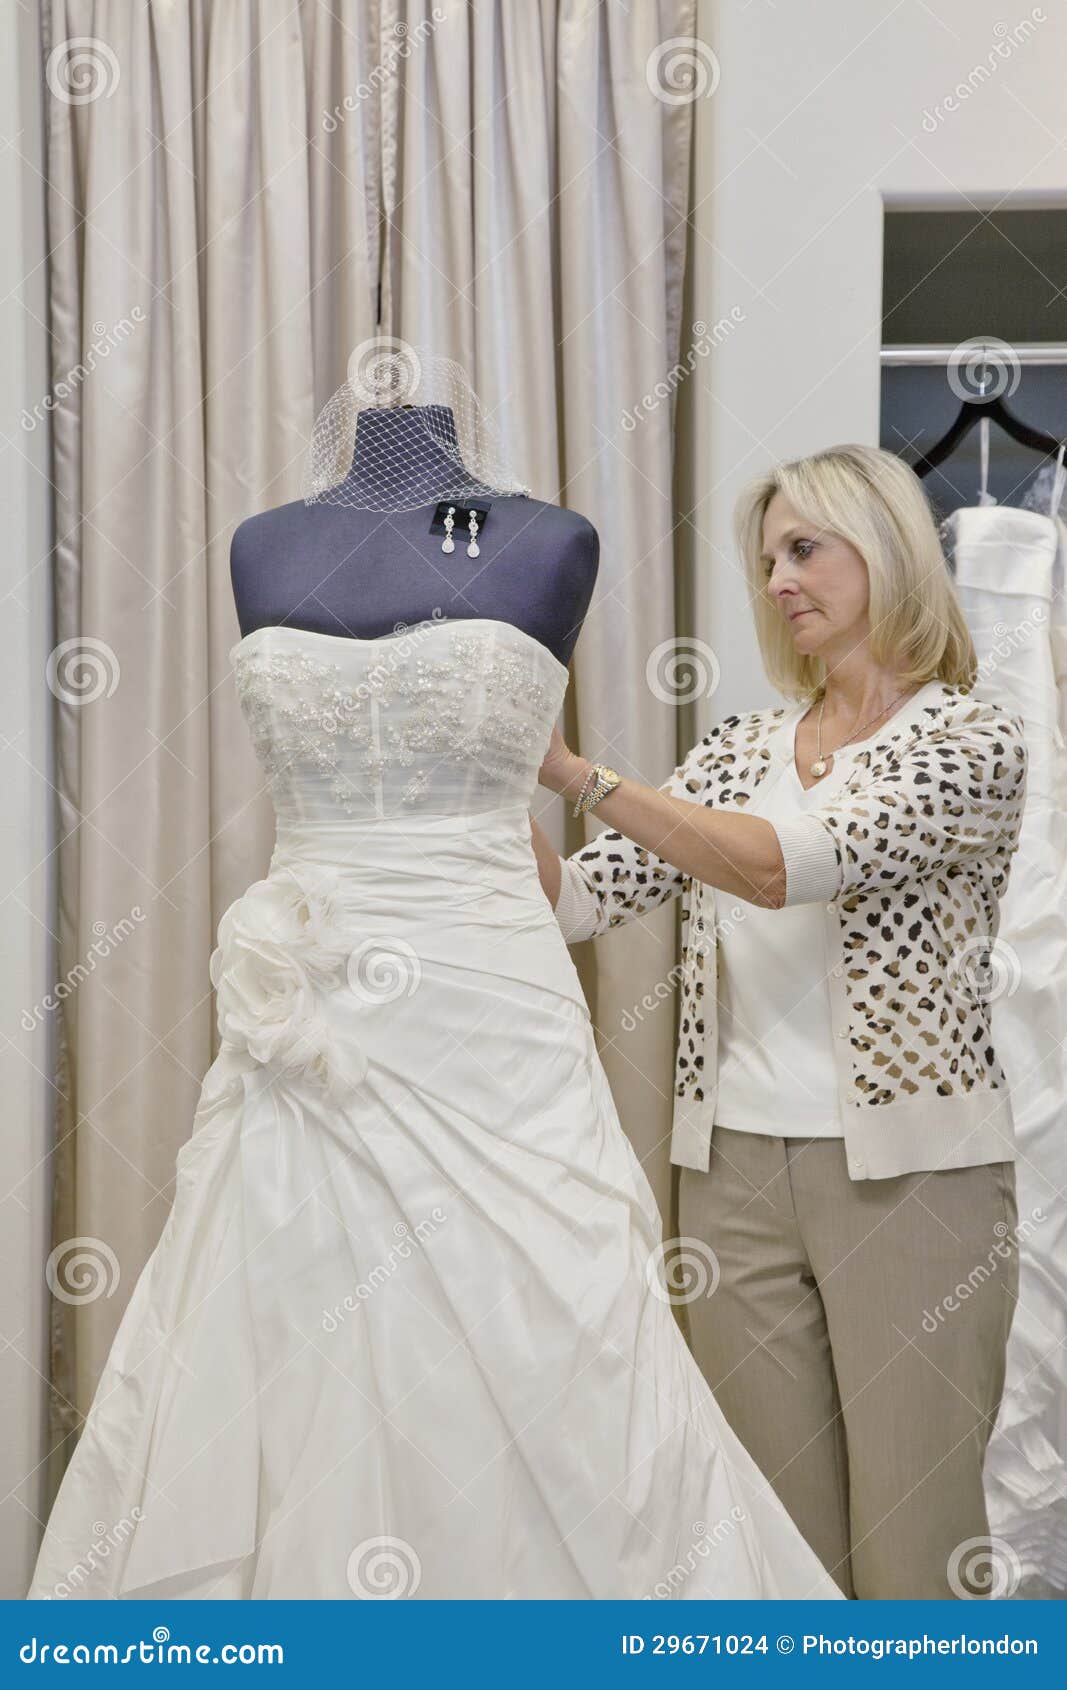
(405, 429)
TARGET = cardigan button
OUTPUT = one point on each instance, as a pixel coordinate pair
(856, 1162)
(837, 972)
(842, 1032)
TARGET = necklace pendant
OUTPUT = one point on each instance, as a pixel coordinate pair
(819, 767)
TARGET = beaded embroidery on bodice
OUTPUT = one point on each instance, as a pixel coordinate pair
(448, 717)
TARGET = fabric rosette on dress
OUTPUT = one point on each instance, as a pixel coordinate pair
(282, 948)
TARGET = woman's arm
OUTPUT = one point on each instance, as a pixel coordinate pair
(612, 879)
(956, 794)
(605, 883)
(738, 853)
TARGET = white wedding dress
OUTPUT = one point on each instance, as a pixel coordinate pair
(404, 1333)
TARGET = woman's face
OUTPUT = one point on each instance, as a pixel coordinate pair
(817, 582)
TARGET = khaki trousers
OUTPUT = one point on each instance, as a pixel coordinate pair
(855, 1340)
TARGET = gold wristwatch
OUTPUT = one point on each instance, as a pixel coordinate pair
(604, 780)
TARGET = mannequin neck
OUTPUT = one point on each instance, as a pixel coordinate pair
(410, 450)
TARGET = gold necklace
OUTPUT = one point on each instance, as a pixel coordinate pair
(821, 763)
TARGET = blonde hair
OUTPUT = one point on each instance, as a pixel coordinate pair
(873, 500)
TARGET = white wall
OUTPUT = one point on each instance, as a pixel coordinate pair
(817, 122)
(25, 804)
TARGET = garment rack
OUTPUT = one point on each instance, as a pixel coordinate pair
(1036, 352)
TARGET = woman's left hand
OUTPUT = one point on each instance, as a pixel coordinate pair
(562, 768)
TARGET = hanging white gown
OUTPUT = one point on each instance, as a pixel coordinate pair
(1009, 570)
(406, 1332)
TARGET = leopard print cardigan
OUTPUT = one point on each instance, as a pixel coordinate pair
(910, 858)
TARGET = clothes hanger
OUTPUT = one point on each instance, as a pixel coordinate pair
(973, 411)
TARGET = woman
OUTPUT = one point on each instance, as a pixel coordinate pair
(842, 1120)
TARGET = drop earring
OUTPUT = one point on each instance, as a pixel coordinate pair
(448, 544)
(472, 548)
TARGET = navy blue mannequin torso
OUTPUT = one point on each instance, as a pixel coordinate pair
(338, 569)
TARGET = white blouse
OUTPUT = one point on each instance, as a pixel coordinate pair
(775, 1024)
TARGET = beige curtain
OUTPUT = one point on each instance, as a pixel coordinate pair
(217, 175)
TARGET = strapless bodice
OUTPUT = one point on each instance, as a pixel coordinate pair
(447, 717)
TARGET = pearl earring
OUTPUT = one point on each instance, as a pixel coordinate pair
(472, 549)
(448, 544)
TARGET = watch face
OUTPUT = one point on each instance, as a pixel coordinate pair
(609, 774)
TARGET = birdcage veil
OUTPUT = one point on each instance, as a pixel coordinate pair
(422, 435)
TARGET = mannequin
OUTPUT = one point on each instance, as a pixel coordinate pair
(339, 568)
